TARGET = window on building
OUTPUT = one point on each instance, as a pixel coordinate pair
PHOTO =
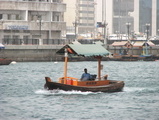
(6, 36)
(35, 41)
(6, 39)
(16, 40)
(25, 39)
(26, 31)
(1, 16)
(41, 0)
(56, 16)
(15, 31)
(7, 31)
(15, 36)
(9, 16)
(17, 17)
(55, 0)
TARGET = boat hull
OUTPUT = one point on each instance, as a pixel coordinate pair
(5, 61)
(114, 86)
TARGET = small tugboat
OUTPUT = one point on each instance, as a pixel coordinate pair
(99, 84)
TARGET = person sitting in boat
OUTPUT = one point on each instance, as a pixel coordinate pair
(85, 76)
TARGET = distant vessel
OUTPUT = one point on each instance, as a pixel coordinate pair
(124, 37)
(5, 61)
(117, 37)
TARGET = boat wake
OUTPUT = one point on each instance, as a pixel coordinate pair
(62, 92)
(132, 89)
(137, 89)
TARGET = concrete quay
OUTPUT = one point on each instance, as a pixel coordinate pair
(31, 53)
(40, 53)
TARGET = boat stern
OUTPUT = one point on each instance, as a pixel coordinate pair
(48, 79)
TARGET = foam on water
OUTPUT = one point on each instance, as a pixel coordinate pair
(62, 92)
(133, 89)
(139, 90)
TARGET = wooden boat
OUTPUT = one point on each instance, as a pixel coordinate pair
(99, 84)
(124, 58)
(5, 61)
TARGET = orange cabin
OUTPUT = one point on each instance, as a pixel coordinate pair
(76, 82)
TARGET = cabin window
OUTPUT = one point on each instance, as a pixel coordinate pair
(91, 83)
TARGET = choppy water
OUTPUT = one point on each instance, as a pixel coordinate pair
(22, 96)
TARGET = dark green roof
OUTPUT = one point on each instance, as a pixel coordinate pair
(86, 50)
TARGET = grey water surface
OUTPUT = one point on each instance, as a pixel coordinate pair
(22, 96)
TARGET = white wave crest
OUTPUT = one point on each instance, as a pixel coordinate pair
(137, 89)
(132, 89)
(62, 92)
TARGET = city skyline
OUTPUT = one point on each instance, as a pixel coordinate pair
(31, 21)
(119, 12)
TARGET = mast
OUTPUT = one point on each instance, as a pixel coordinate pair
(99, 67)
(65, 66)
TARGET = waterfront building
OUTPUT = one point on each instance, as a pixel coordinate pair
(31, 21)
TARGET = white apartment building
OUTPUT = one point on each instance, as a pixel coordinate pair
(85, 16)
(82, 14)
(70, 15)
(31, 21)
(136, 12)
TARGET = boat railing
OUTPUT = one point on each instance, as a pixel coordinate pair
(78, 82)
(61, 79)
(68, 78)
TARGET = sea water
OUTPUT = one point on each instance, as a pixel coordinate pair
(22, 96)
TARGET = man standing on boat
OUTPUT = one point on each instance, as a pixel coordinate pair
(85, 76)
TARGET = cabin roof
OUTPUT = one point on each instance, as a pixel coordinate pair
(86, 50)
(138, 44)
(150, 43)
(121, 43)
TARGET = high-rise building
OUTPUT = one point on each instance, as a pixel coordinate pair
(70, 15)
(31, 21)
(80, 14)
(85, 15)
(138, 13)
